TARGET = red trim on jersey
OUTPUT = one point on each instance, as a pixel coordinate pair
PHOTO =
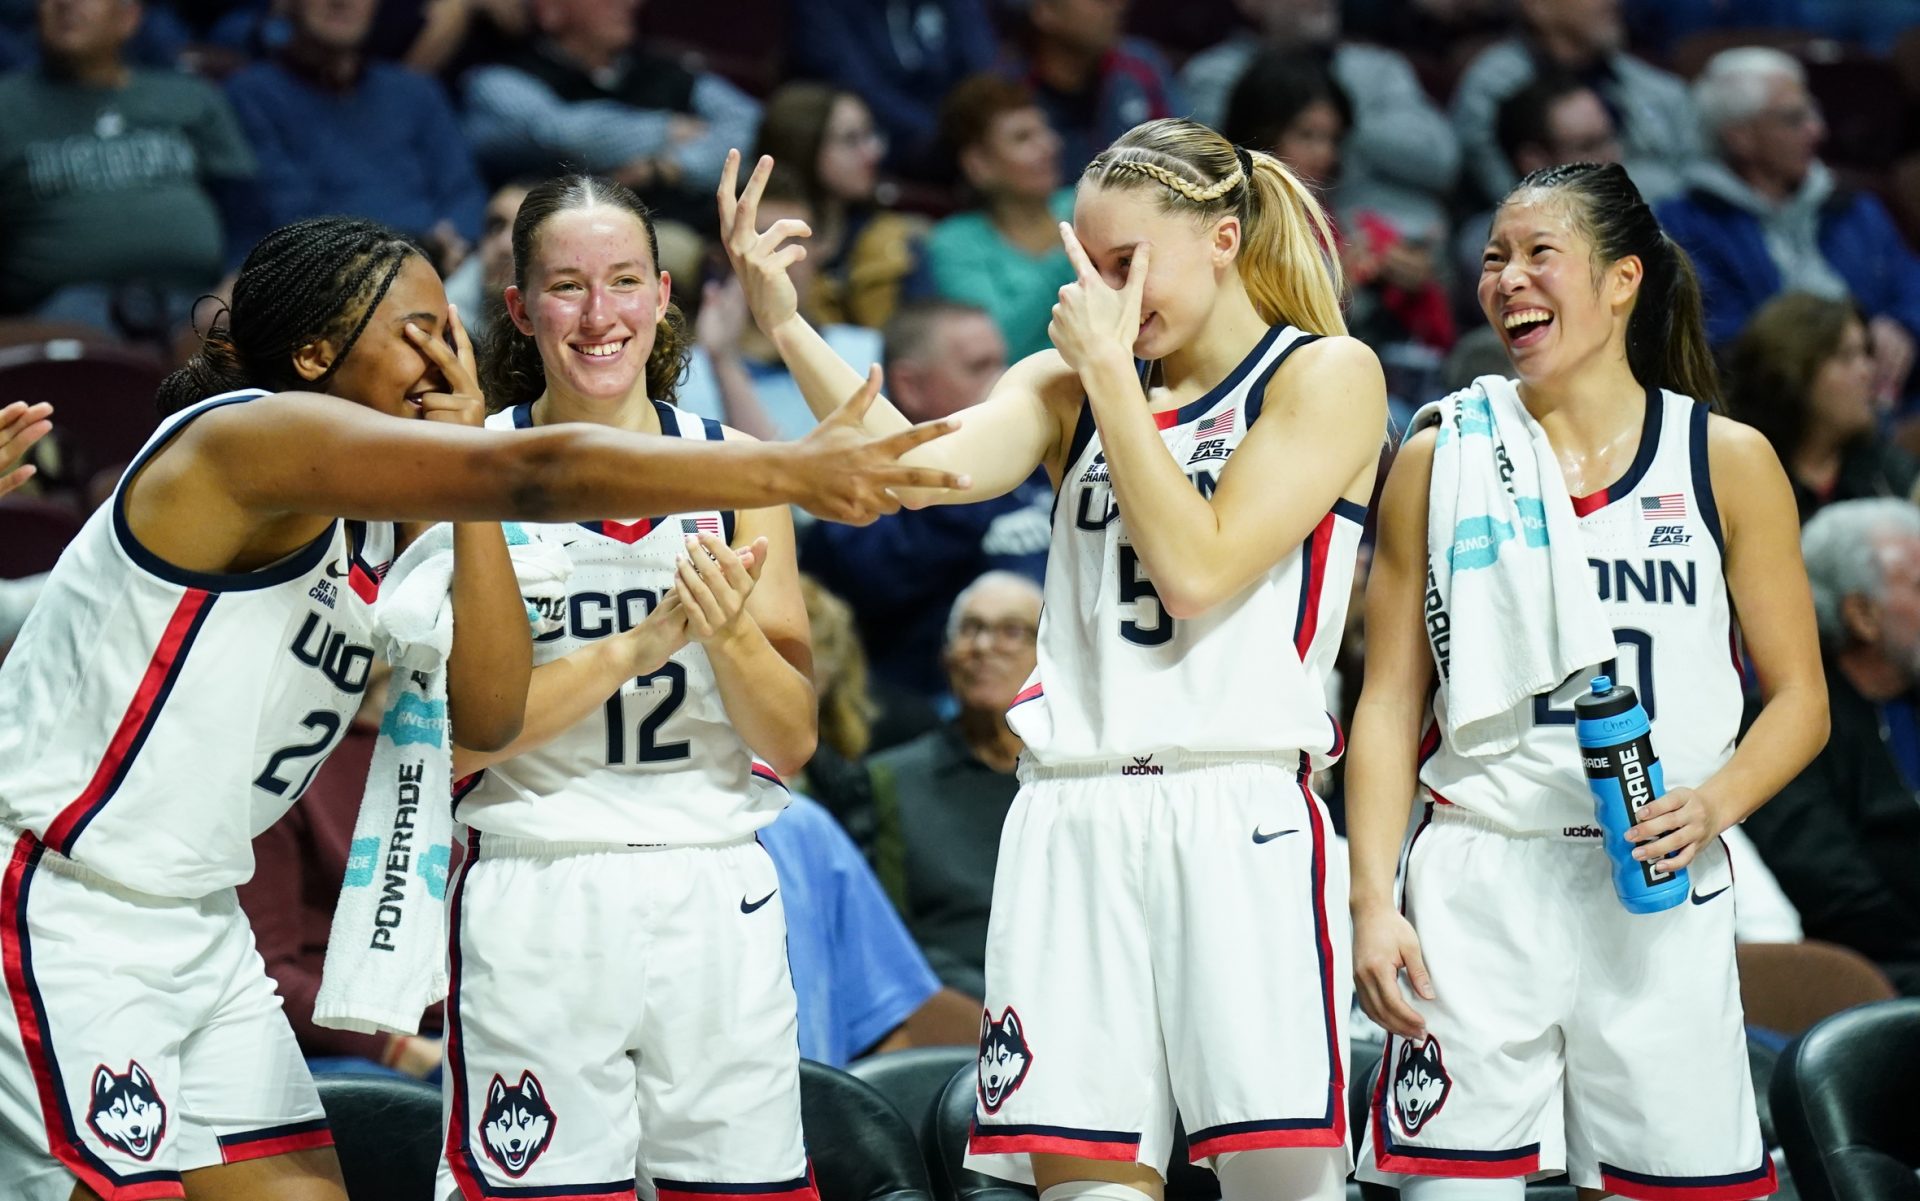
(1339, 738)
(1759, 1183)
(1468, 1169)
(1051, 1144)
(1264, 1140)
(1592, 502)
(802, 1191)
(362, 581)
(1028, 693)
(764, 772)
(135, 722)
(280, 1140)
(1318, 543)
(628, 533)
(1337, 1099)
(1166, 419)
(30, 1014)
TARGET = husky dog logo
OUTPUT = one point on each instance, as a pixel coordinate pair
(517, 1125)
(1004, 1058)
(1420, 1084)
(126, 1112)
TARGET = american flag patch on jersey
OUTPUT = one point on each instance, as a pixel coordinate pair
(702, 525)
(1216, 425)
(1668, 506)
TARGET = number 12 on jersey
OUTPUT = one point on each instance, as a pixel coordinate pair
(646, 748)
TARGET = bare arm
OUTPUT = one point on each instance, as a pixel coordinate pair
(1382, 769)
(757, 638)
(1767, 584)
(1020, 425)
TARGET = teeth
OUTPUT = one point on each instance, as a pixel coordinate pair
(1526, 317)
(602, 350)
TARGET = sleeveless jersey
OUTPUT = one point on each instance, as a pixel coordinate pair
(660, 762)
(1118, 676)
(1653, 543)
(153, 719)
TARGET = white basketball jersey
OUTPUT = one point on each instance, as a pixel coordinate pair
(153, 720)
(1118, 676)
(660, 762)
(1653, 544)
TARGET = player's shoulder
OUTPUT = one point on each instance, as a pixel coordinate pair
(1334, 373)
(1739, 451)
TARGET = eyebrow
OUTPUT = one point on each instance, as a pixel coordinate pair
(576, 269)
(423, 318)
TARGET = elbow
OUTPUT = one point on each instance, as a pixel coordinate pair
(1190, 596)
(792, 757)
(1819, 723)
(488, 734)
(532, 473)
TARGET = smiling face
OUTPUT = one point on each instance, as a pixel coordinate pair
(1554, 308)
(1190, 258)
(591, 298)
(383, 370)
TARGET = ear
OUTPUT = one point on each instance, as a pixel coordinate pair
(974, 166)
(666, 295)
(1624, 279)
(102, 1081)
(138, 1075)
(517, 309)
(986, 1024)
(1011, 1025)
(312, 360)
(497, 1091)
(1226, 240)
(1860, 617)
(529, 1086)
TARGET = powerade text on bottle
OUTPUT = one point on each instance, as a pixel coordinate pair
(1616, 746)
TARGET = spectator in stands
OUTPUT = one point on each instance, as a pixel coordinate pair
(585, 93)
(1553, 120)
(1843, 838)
(1766, 215)
(827, 151)
(113, 180)
(1093, 84)
(901, 57)
(1005, 255)
(1289, 106)
(943, 797)
(1585, 39)
(298, 865)
(479, 285)
(738, 377)
(855, 716)
(1399, 155)
(901, 573)
(861, 983)
(1802, 374)
(337, 133)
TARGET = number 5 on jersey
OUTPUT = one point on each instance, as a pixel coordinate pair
(1149, 625)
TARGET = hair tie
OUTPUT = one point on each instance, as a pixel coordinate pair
(1246, 162)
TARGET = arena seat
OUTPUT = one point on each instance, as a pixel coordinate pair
(33, 532)
(1789, 986)
(1843, 1105)
(913, 1080)
(861, 1148)
(102, 397)
(387, 1133)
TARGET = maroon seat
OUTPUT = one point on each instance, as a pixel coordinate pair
(102, 398)
(33, 532)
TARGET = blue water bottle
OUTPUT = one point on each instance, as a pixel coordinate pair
(1616, 746)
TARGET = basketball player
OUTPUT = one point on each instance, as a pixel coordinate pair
(1166, 916)
(193, 659)
(1549, 1027)
(617, 857)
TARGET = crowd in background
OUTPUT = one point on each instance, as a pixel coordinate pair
(931, 146)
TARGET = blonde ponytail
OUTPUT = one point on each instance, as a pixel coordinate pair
(1287, 262)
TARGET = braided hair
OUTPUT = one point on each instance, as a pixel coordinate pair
(1286, 262)
(315, 280)
(511, 372)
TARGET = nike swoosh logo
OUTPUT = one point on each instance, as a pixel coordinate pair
(333, 569)
(747, 906)
(1261, 837)
(1697, 899)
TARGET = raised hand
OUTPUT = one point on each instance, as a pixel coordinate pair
(760, 260)
(1092, 319)
(462, 403)
(850, 477)
(21, 425)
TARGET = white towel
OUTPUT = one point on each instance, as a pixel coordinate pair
(386, 955)
(1512, 609)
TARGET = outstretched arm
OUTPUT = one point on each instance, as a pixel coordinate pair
(1022, 423)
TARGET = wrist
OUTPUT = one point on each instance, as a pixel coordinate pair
(1108, 370)
(784, 331)
(1366, 901)
(735, 639)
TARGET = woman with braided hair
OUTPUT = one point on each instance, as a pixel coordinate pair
(195, 656)
(1168, 927)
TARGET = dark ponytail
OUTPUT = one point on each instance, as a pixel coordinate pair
(1667, 332)
(511, 372)
(303, 283)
